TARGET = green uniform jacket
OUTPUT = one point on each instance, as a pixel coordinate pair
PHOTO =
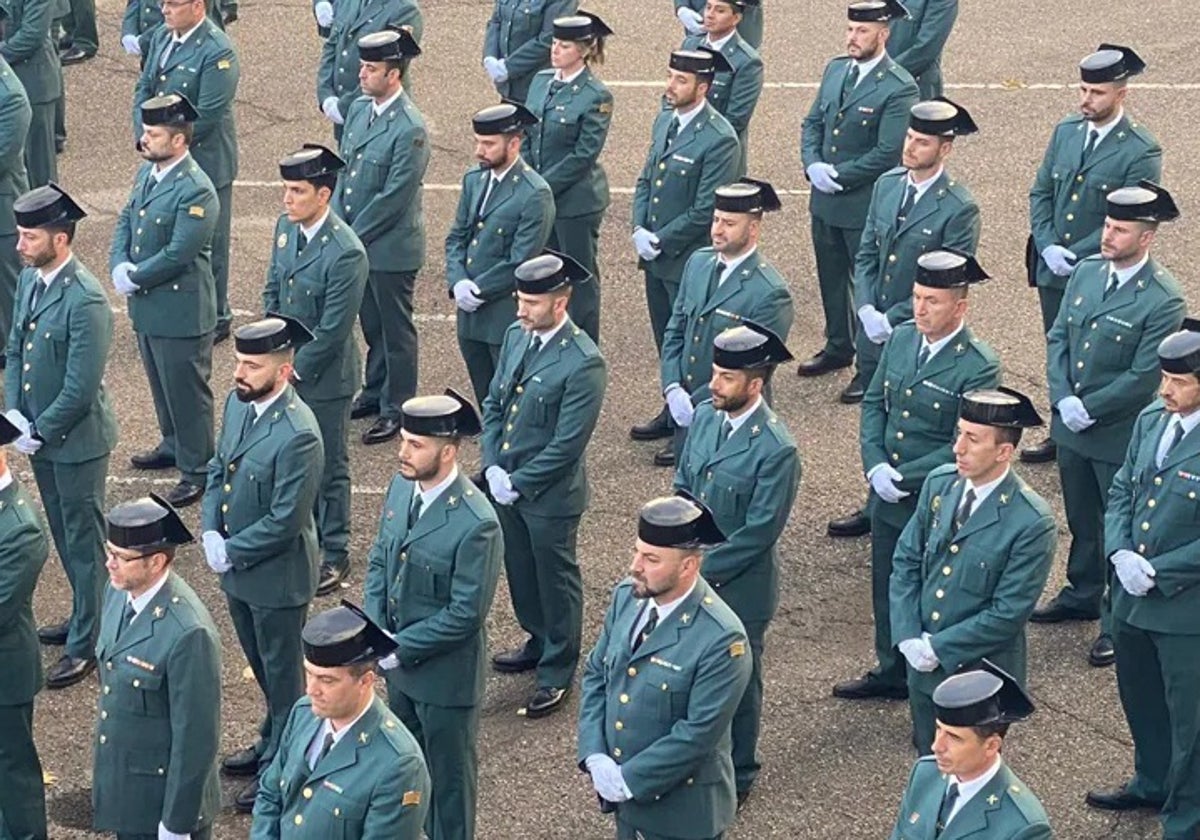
(30, 51)
(379, 193)
(754, 292)
(750, 483)
(537, 428)
(168, 235)
(260, 496)
(974, 591)
(55, 362)
(565, 146)
(1068, 200)
(1004, 809)
(337, 73)
(322, 287)
(155, 753)
(514, 227)
(520, 32)
(735, 94)
(1106, 352)
(432, 587)
(946, 216)
(15, 114)
(870, 125)
(751, 27)
(1155, 512)
(663, 713)
(23, 552)
(205, 70)
(677, 186)
(142, 16)
(916, 42)
(373, 784)
(909, 416)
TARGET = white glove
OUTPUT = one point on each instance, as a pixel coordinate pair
(875, 324)
(324, 13)
(496, 69)
(27, 444)
(883, 481)
(389, 662)
(607, 778)
(131, 45)
(1135, 572)
(214, 552)
(646, 244)
(1073, 414)
(680, 404)
(330, 108)
(165, 833)
(693, 21)
(919, 653)
(501, 71)
(500, 485)
(1058, 259)
(466, 296)
(19, 420)
(121, 281)
(824, 178)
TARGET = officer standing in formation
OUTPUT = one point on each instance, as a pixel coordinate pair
(29, 50)
(505, 215)
(142, 17)
(907, 430)
(538, 418)
(432, 576)
(258, 528)
(55, 394)
(516, 43)
(15, 115)
(379, 195)
(23, 552)
(853, 133)
(1102, 368)
(1091, 153)
(750, 26)
(160, 260)
(918, 39)
(346, 767)
(317, 275)
(965, 786)
(973, 559)
(693, 150)
(155, 753)
(741, 460)
(664, 768)
(574, 111)
(79, 40)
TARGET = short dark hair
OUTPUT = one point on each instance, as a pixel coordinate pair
(763, 373)
(188, 130)
(1007, 435)
(987, 730)
(400, 64)
(359, 668)
(329, 182)
(63, 227)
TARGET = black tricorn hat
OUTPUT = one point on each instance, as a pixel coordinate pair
(678, 521)
(395, 43)
(1110, 63)
(941, 117)
(272, 334)
(581, 26)
(983, 696)
(948, 269)
(344, 635)
(749, 346)
(146, 524)
(46, 206)
(1180, 351)
(703, 61)
(312, 160)
(747, 195)
(505, 118)
(1005, 408)
(445, 415)
(876, 11)
(548, 271)
(1147, 202)
(169, 109)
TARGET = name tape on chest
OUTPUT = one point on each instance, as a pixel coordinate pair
(654, 660)
(936, 387)
(140, 663)
(682, 159)
(1126, 324)
(1187, 476)
(331, 786)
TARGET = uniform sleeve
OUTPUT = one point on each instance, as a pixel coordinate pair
(535, 52)
(346, 280)
(641, 191)
(375, 585)
(1058, 348)
(593, 131)
(90, 325)
(209, 521)
(15, 116)
(270, 295)
(194, 692)
(1041, 201)
(671, 356)
(192, 232)
(593, 693)
(743, 98)
(392, 813)
(13, 352)
(812, 129)
(218, 85)
(268, 805)
(23, 552)
(719, 166)
(904, 584)
(873, 422)
(410, 157)
(493, 408)
(1118, 511)
(24, 42)
(533, 231)
(893, 126)
(129, 20)
(459, 235)
(865, 282)
(327, 65)
(905, 805)
(931, 37)
(118, 249)
(143, 88)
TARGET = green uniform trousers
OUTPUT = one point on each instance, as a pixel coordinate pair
(579, 238)
(41, 160)
(835, 248)
(60, 123)
(447, 736)
(201, 834)
(73, 496)
(386, 315)
(1050, 301)
(10, 272)
(660, 300)
(1085, 484)
(80, 26)
(179, 370)
(481, 359)
(1158, 676)
(22, 796)
(270, 638)
(332, 510)
(890, 668)
(867, 356)
(924, 717)
(546, 588)
(627, 832)
(747, 719)
(220, 253)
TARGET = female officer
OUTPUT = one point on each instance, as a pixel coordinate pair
(517, 42)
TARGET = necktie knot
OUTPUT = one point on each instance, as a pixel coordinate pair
(414, 510)
(923, 356)
(672, 130)
(726, 429)
(964, 510)
(647, 628)
(1112, 284)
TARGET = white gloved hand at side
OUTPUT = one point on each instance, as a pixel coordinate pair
(1058, 259)
(330, 108)
(693, 21)
(884, 480)
(324, 13)
(215, 552)
(1073, 414)
(679, 402)
(823, 177)
(131, 44)
(466, 296)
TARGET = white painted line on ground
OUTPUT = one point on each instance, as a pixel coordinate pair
(139, 481)
(1011, 85)
(458, 188)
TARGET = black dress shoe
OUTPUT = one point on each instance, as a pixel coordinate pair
(665, 457)
(544, 701)
(853, 393)
(867, 687)
(243, 803)
(332, 577)
(221, 333)
(822, 363)
(1119, 799)
(155, 459)
(742, 796)
(75, 55)
(381, 431)
(1040, 453)
(184, 493)
(361, 408)
(241, 763)
(68, 671)
(1102, 654)
(857, 524)
(65, 43)
(656, 429)
(1056, 612)
(54, 634)
(515, 661)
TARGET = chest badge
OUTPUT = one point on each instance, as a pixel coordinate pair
(158, 612)
(281, 241)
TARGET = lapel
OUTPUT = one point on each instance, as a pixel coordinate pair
(363, 16)
(551, 353)
(945, 505)
(1125, 295)
(438, 513)
(1189, 447)
(143, 626)
(742, 436)
(733, 283)
(315, 245)
(262, 427)
(667, 632)
(504, 190)
(54, 292)
(976, 814)
(345, 751)
(186, 51)
(946, 358)
(166, 186)
(1108, 147)
(691, 132)
(926, 204)
(383, 122)
(988, 512)
(865, 87)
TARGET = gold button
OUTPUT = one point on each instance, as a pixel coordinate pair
(103, 739)
(228, 487)
(618, 726)
(307, 793)
(891, 257)
(137, 683)
(1151, 503)
(108, 664)
(1070, 217)
(946, 570)
(224, 508)
(505, 447)
(941, 593)
(908, 392)
(1145, 526)
(936, 616)
(107, 689)
(904, 414)
(954, 549)
(103, 715)
(632, 671)
(1158, 481)
(899, 435)
(299, 819)
(624, 698)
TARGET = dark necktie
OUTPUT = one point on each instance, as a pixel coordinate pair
(487, 193)
(910, 198)
(851, 81)
(39, 289)
(647, 629)
(960, 519)
(555, 87)
(1092, 139)
(714, 281)
(947, 807)
(167, 53)
(923, 356)
(1111, 286)
(326, 746)
(301, 243)
(530, 352)
(726, 429)
(414, 510)
(148, 187)
(126, 619)
(1176, 436)
(672, 130)
(248, 423)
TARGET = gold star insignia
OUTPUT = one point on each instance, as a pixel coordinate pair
(362, 737)
(1003, 498)
(274, 415)
(563, 342)
(158, 612)
(958, 348)
(452, 501)
(685, 618)
(993, 799)
(754, 429)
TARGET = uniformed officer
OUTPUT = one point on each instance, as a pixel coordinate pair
(740, 459)
(347, 767)
(974, 557)
(1102, 367)
(915, 208)
(966, 786)
(379, 194)
(432, 575)
(693, 150)
(79, 40)
(750, 26)
(317, 275)
(29, 50)
(538, 417)
(734, 94)
(23, 551)
(907, 430)
(155, 755)
(1091, 153)
(505, 216)
(192, 56)
(662, 684)
(722, 286)
(516, 43)
(15, 115)
(574, 110)
(1150, 537)
(918, 39)
(853, 133)
(258, 528)
(54, 391)
(160, 261)
(141, 17)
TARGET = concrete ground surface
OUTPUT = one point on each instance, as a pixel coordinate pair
(832, 769)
